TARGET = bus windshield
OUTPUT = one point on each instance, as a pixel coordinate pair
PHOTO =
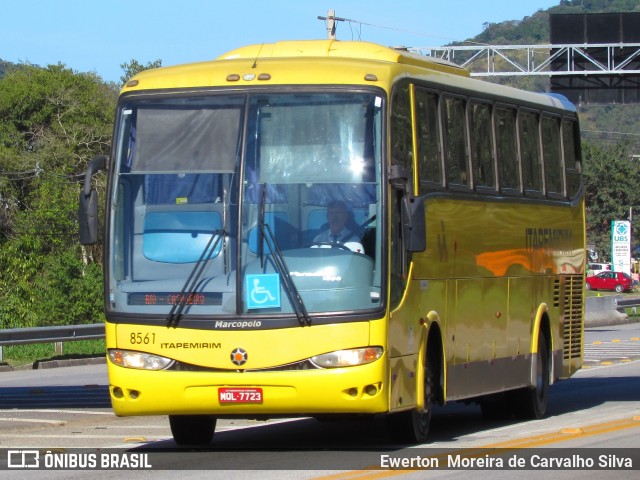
(261, 204)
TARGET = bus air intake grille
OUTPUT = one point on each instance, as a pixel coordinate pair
(573, 313)
(557, 292)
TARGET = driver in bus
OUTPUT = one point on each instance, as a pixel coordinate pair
(342, 228)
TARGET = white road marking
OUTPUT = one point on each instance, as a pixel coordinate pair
(33, 420)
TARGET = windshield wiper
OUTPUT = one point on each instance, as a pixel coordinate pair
(289, 286)
(266, 234)
(190, 286)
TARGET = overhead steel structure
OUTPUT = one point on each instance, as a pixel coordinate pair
(542, 60)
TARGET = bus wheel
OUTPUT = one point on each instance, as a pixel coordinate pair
(413, 426)
(192, 429)
(531, 402)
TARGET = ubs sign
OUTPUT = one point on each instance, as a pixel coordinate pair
(621, 246)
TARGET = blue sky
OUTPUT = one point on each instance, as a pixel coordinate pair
(99, 35)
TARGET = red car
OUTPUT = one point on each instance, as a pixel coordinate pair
(618, 281)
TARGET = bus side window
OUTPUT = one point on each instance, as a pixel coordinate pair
(399, 257)
(455, 146)
(482, 155)
(428, 132)
(553, 171)
(570, 147)
(508, 169)
(401, 130)
(402, 155)
(530, 152)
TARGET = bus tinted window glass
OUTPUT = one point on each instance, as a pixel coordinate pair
(506, 148)
(401, 144)
(530, 151)
(401, 133)
(455, 148)
(552, 154)
(188, 135)
(482, 145)
(571, 156)
(398, 261)
(428, 128)
(185, 207)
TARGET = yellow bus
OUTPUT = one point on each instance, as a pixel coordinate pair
(458, 274)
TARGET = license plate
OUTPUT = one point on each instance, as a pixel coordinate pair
(240, 395)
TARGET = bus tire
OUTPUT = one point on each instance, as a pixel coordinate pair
(413, 425)
(531, 403)
(192, 429)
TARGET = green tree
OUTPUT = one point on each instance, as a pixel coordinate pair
(52, 122)
(611, 190)
(134, 67)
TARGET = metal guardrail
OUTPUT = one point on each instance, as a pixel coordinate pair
(65, 333)
(57, 334)
(627, 302)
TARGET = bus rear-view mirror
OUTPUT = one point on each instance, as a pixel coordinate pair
(413, 224)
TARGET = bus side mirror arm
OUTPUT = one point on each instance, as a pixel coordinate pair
(399, 177)
(88, 211)
(414, 229)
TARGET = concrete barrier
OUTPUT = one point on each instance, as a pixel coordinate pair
(601, 311)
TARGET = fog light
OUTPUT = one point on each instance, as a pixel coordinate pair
(371, 390)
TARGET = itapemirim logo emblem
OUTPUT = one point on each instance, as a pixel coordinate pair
(239, 356)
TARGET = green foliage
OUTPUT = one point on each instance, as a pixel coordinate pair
(611, 190)
(4, 66)
(52, 122)
(26, 354)
(134, 67)
(68, 292)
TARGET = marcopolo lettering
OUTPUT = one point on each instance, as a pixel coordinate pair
(238, 324)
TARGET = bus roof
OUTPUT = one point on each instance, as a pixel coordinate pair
(339, 49)
(293, 62)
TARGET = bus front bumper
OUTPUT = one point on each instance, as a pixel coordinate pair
(360, 389)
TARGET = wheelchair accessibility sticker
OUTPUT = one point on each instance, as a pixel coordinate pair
(263, 291)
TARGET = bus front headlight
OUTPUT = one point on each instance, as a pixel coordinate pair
(139, 360)
(348, 358)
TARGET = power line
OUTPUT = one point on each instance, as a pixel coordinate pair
(604, 132)
(330, 22)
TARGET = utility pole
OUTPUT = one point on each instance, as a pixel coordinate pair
(331, 20)
(331, 24)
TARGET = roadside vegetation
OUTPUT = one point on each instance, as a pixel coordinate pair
(25, 355)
